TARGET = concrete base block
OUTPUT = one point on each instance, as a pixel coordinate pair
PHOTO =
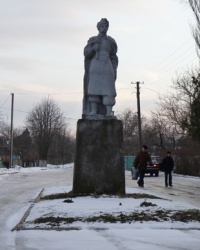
(99, 166)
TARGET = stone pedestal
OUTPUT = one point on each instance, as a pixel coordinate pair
(99, 166)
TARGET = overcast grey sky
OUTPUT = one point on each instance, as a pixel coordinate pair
(42, 41)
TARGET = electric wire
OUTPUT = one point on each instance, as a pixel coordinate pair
(163, 78)
(170, 66)
(22, 111)
(5, 101)
(169, 56)
(49, 93)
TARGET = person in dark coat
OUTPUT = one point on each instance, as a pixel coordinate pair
(168, 166)
(140, 163)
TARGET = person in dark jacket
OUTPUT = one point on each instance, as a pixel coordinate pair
(140, 163)
(168, 166)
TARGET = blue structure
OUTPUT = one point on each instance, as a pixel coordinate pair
(128, 162)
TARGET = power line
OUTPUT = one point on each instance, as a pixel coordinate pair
(174, 52)
(49, 93)
(149, 79)
(5, 101)
(169, 64)
(68, 118)
(153, 91)
(15, 110)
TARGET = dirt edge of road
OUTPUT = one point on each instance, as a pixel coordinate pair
(19, 226)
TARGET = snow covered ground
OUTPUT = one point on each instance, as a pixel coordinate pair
(98, 235)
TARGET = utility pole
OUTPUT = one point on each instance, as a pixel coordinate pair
(139, 115)
(11, 131)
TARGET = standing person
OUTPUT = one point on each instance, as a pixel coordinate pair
(140, 163)
(168, 165)
(101, 63)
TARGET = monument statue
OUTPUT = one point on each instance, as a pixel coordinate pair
(99, 164)
(101, 64)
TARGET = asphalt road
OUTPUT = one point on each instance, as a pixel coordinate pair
(185, 189)
(19, 190)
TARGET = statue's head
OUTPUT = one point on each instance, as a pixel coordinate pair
(102, 21)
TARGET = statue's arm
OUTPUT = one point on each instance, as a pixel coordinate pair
(113, 55)
(114, 60)
(89, 48)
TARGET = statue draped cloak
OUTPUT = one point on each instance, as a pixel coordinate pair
(108, 50)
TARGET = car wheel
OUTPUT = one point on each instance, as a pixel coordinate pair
(151, 174)
(156, 174)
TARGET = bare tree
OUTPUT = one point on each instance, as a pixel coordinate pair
(1, 119)
(172, 111)
(195, 6)
(24, 146)
(5, 131)
(158, 134)
(43, 122)
(129, 120)
(130, 131)
(62, 149)
(175, 107)
(192, 123)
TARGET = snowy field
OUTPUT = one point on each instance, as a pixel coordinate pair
(99, 235)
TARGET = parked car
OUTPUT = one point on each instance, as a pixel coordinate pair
(154, 169)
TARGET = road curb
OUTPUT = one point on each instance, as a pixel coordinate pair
(19, 226)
